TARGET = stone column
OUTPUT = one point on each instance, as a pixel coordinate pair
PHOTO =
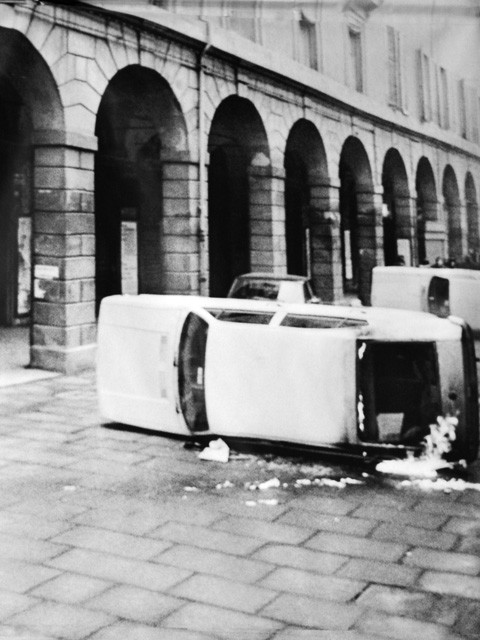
(267, 219)
(370, 238)
(406, 227)
(64, 329)
(324, 222)
(181, 233)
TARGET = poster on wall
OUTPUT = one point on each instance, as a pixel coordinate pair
(348, 255)
(129, 254)
(24, 278)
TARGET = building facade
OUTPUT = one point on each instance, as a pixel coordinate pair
(165, 147)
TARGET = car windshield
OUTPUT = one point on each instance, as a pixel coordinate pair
(255, 289)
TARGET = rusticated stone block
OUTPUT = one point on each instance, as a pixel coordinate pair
(64, 223)
(77, 268)
(63, 315)
(57, 336)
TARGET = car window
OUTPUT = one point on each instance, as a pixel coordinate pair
(250, 317)
(319, 322)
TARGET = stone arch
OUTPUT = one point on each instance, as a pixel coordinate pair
(357, 220)
(31, 121)
(239, 194)
(141, 187)
(428, 246)
(396, 213)
(308, 251)
(453, 212)
(471, 203)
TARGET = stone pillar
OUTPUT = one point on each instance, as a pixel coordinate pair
(267, 219)
(406, 228)
(370, 238)
(181, 234)
(64, 329)
(454, 217)
(326, 258)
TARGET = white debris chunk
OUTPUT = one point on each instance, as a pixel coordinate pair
(224, 485)
(217, 451)
(251, 503)
(303, 482)
(441, 484)
(271, 502)
(269, 484)
(413, 467)
(191, 489)
(341, 484)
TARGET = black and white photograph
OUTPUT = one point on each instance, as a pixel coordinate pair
(239, 320)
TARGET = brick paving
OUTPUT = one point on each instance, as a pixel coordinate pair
(108, 533)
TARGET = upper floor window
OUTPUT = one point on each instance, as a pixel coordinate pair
(462, 109)
(394, 68)
(356, 58)
(444, 100)
(424, 85)
(307, 45)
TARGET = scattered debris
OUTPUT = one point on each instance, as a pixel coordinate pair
(191, 489)
(224, 485)
(217, 451)
(303, 482)
(441, 484)
(341, 484)
(271, 502)
(274, 483)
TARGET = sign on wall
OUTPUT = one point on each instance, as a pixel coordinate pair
(129, 257)
(24, 260)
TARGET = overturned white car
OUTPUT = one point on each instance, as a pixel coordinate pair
(360, 380)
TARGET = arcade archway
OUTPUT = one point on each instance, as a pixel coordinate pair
(140, 128)
(357, 220)
(426, 212)
(453, 213)
(239, 155)
(305, 177)
(30, 110)
(473, 235)
(396, 215)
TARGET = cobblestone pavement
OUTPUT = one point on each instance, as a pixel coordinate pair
(110, 534)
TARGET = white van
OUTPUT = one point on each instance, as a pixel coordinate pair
(440, 291)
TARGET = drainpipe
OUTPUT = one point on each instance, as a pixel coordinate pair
(202, 172)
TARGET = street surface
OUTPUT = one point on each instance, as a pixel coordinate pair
(112, 534)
